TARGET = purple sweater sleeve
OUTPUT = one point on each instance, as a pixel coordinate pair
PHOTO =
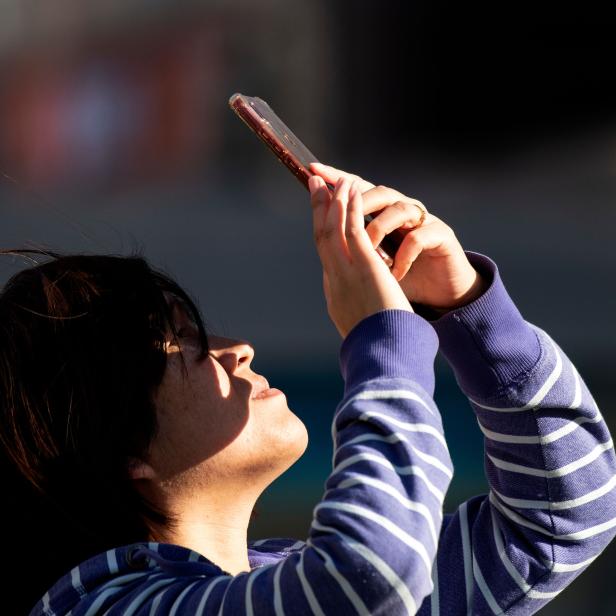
(549, 461)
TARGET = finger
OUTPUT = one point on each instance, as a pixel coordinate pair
(319, 199)
(340, 200)
(417, 241)
(332, 241)
(356, 237)
(380, 196)
(322, 224)
(332, 175)
(326, 286)
(400, 214)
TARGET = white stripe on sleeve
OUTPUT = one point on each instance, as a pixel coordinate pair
(521, 503)
(420, 508)
(385, 523)
(513, 572)
(310, 596)
(556, 472)
(348, 590)
(577, 395)
(435, 608)
(582, 534)
(397, 437)
(388, 394)
(545, 439)
(539, 396)
(406, 425)
(467, 556)
(567, 567)
(380, 565)
(400, 470)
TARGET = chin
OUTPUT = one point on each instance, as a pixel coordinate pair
(295, 434)
(291, 442)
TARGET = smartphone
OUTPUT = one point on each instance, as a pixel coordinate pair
(292, 153)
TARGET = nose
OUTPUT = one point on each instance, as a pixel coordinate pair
(231, 353)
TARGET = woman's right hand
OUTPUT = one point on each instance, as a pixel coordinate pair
(356, 281)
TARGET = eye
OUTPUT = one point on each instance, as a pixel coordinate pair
(187, 332)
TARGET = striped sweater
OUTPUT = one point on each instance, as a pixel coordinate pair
(379, 543)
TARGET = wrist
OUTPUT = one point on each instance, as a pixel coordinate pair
(475, 286)
(391, 343)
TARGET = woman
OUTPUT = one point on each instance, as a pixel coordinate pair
(146, 441)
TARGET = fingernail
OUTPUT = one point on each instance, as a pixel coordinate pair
(312, 184)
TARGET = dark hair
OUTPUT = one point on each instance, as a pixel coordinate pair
(81, 354)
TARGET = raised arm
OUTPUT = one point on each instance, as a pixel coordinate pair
(549, 461)
(549, 455)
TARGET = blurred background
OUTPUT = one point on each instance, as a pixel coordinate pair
(115, 136)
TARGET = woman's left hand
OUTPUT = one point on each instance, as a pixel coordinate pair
(430, 263)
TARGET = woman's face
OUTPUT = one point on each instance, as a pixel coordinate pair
(218, 422)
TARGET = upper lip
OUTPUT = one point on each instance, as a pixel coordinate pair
(260, 385)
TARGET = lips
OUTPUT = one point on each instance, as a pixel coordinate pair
(259, 387)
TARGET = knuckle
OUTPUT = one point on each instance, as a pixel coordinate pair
(357, 179)
(327, 234)
(335, 200)
(355, 232)
(320, 236)
(376, 226)
(401, 206)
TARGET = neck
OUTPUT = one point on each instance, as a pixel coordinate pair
(217, 530)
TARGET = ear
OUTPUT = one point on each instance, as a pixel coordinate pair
(138, 469)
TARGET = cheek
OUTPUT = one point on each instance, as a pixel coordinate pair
(199, 416)
(217, 380)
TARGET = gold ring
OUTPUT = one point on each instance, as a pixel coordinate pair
(423, 211)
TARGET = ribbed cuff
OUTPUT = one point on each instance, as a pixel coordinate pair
(487, 342)
(390, 343)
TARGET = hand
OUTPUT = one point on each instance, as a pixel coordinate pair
(356, 281)
(430, 263)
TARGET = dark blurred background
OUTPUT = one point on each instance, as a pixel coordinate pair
(115, 136)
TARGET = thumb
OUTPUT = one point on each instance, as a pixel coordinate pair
(326, 286)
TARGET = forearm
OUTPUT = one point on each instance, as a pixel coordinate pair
(391, 463)
(549, 455)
